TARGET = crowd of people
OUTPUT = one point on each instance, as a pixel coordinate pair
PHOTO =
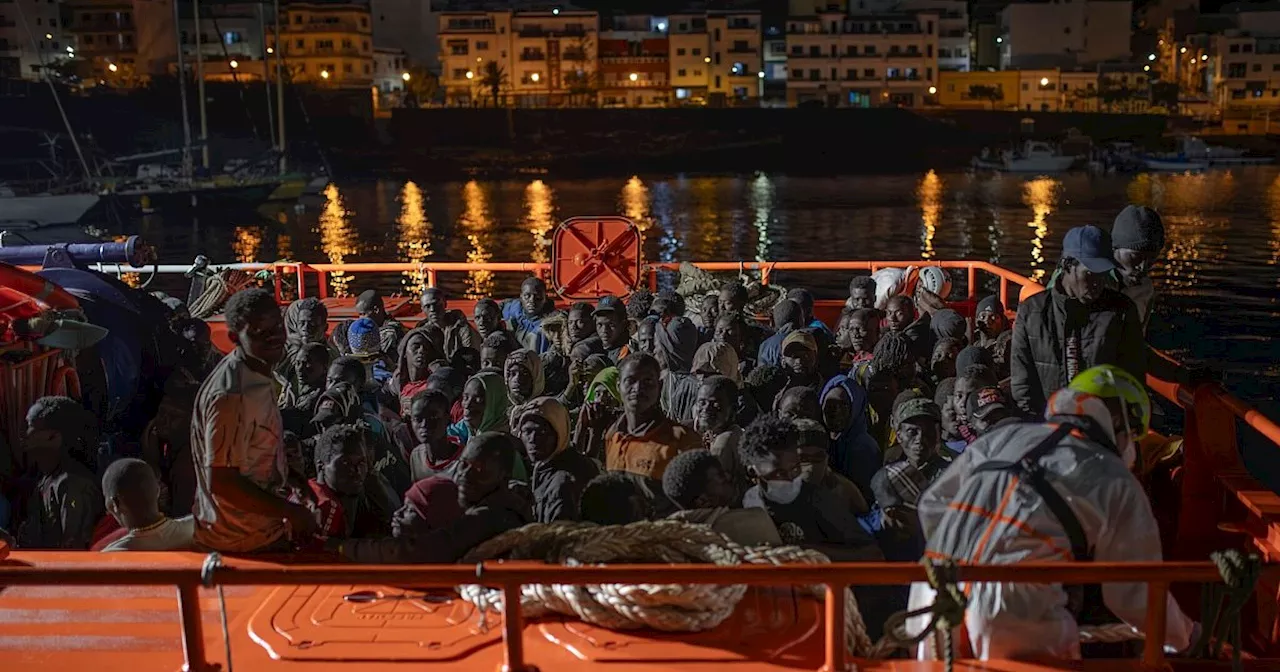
(905, 430)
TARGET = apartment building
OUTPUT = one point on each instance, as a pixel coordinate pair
(1246, 71)
(689, 58)
(839, 60)
(634, 65)
(736, 76)
(231, 40)
(390, 70)
(327, 43)
(1118, 89)
(20, 55)
(120, 38)
(1064, 34)
(532, 58)
(954, 44)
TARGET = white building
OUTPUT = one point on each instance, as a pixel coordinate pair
(862, 61)
(230, 34)
(389, 69)
(1246, 70)
(1064, 34)
(19, 57)
(689, 58)
(409, 26)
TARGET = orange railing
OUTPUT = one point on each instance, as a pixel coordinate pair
(511, 576)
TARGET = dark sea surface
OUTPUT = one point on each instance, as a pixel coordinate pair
(1217, 286)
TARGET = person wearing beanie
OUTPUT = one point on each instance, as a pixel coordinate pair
(1079, 323)
(1137, 241)
(989, 321)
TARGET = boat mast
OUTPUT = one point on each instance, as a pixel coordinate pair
(182, 94)
(44, 68)
(204, 115)
(266, 75)
(280, 91)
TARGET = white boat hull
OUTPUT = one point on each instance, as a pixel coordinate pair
(1171, 166)
(1038, 164)
(46, 209)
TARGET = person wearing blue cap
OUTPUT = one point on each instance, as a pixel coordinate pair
(1080, 322)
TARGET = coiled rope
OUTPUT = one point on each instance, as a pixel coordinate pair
(218, 287)
(945, 614)
(1224, 602)
(664, 607)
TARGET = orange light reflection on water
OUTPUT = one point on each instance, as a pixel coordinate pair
(539, 218)
(929, 191)
(1041, 195)
(415, 236)
(634, 203)
(337, 237)
(1194, 232)
(247, 242)
(477, 225)
(706, 223)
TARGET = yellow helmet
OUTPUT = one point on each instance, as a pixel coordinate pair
(1112, 382)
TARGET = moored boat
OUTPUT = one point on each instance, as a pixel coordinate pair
(1033, 157)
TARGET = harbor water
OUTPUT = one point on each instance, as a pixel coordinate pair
(1217, 286)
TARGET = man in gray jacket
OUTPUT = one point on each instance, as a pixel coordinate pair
(1077, 323)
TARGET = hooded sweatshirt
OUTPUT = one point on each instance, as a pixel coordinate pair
(676, 344)
(496, 406)
(854, 453)
(558, 481)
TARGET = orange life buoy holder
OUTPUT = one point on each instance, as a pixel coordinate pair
(593, 257)
(36, 288)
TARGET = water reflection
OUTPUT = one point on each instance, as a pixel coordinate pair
(337, 237)
(929, 191)
(705, 222)
(246, 243)
(1041, 195)
(284, 246)
(1186, 193)
(762, 193)
(634, 203)
(415, 236)
(1194, 232)
(1273, 214)
(477, 225)
(539, 218)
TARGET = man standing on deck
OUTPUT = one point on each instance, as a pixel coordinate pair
(237, 439)
(1137, 241)
(1059, 491)
(1078, 323)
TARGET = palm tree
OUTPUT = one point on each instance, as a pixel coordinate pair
(494, 79)
(991, 94)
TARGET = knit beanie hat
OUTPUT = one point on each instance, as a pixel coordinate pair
(974, 354)
(947, 323)
(991, 303)
(1138, 228)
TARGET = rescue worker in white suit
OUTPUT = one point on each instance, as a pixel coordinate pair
(1046, 492)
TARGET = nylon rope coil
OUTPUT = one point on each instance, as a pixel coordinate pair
(663, 607)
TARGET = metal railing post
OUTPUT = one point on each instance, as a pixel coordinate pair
(193, 657)
(513, 631)
(302, 280)
(1154, 629)
(432, 279)
(834, 639)
(973, 282)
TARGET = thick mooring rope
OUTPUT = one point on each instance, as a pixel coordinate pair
(664, 607)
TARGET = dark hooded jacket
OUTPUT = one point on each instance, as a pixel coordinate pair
(1110, 333)
(501, 511)
(676, 344)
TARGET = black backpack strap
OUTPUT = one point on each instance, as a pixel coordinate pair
(1030, 470)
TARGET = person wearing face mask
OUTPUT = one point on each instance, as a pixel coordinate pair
(1078, 323)
(815, 468)
(1068, 485)
(806, 515)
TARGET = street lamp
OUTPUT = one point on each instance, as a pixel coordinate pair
(1044, 81)
(1183, 50)
(633, 76)
(112, 67)
(71, 50)
(535, 76)
(470, 75)
(234, 64)
(933, 90)
(324, 74)
(1146, 68)
(706, 60)
(48, 36)
(1151, 57)
(271, 50)
(760, 74)
(1204, 57)
(405, 76)
(999, 40)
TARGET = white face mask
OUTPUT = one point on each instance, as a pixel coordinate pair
(782, 492)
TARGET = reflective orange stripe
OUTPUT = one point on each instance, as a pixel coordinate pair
(998, 516)
(991, 525)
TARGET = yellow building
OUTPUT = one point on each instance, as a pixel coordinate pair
(328, 43)
(978, 90)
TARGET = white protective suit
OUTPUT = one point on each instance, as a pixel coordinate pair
(994, 518)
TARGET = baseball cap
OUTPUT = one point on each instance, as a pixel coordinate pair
(915, 407)
(1091, 246)
(608, 304)
(983, 401)
(799, 337)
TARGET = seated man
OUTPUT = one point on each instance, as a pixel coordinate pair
(612, 330)
(132, 495)
(490, 508)
(697, 483)
(643, 441)
(805, 515)
(66, 504)
(351, 500)
(616, 498)
(815, 468)
(559, 474)
(897, 486)
(525, 315)
(987, 408)
(458, 333)
(436, 453)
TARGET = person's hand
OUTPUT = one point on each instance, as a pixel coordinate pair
(896, 518)
(301, 521)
